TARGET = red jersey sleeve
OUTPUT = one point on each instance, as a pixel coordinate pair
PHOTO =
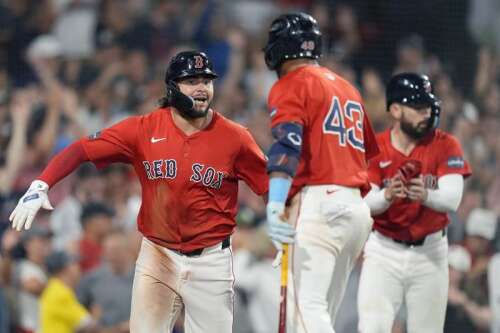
(451, 158)
(370, 142)
(287, 103)
(114, 144)
(251, 163)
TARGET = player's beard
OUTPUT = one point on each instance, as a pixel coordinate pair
(417, 132)
(197, 112)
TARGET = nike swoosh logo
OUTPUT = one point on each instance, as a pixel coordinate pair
(328, 192)
(384, 164)
(155, 140)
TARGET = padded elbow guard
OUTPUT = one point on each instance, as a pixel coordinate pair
(284, 154)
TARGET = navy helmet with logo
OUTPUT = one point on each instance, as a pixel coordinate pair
(292, 36)
(415, 91)
(188, 64)
(184, 65)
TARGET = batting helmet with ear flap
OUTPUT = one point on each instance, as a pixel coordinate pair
(415, 91)
(292, 36)
(182, 66)
(187, 64)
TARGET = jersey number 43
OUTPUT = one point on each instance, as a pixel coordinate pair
(346, 123)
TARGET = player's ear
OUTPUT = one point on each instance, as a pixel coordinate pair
(396, 111)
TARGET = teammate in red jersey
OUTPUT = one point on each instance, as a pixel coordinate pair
(189, 198)
(323, 140)
(416, 180)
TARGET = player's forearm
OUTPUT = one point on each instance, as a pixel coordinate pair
(64, 163)
(375, 199)
(15, 153)
(448, 195)
(480, 315)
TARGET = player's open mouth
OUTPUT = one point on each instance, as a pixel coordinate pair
(200, 100)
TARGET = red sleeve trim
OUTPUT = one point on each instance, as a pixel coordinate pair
(64, 163)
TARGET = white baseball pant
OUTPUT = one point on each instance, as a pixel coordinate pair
(393, 273)
(165, 282)
(332, 224)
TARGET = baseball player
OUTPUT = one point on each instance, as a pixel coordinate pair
(189, 197)
(416, 180)
(318, 163)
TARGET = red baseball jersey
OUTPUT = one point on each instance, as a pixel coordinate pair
(337, 138)
(439, 154)
(189, 182)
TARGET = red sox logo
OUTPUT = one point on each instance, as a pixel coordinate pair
(198, 62)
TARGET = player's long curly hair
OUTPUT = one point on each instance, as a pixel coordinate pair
(163, 102)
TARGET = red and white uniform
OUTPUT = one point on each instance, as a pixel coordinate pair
(189, 183)
(440, 154)
(337, 139)
(332, 221)
(415, 272)
(189, 202)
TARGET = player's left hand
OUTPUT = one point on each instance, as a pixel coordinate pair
(415, 189)
(278, 230)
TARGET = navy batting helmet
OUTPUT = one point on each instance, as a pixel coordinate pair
(187, 64)
(292, 36)
(413, 90)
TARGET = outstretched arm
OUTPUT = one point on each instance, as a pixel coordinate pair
(36, 197)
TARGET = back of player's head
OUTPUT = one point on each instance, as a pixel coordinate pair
(292, 36)
(189, 64)
(415, 91)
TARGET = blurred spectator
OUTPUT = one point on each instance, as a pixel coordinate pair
(13, 135)
(31, 277)
(108, 289)
(60, 310)
(480, 231)
(256, 279)
(410, 55)
(484, 23)
(374, 98)
(457, 320)
(76, 13)
(65, 219)
(10, 241)
(251, 16)
(494, 286)
(96, 220)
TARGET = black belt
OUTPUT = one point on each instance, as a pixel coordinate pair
(225, 244)
(418, 242)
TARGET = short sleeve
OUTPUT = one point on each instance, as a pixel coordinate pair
(452, 159)
(114, 144)
(250, 165)
(287, 103)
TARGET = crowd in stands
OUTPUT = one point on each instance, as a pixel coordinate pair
(69, 68)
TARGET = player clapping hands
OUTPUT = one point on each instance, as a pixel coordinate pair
(395, 189)
(415, 189)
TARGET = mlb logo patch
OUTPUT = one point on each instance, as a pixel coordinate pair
(455, 162)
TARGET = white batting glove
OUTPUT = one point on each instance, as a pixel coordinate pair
(29, 204)
(278, 230)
